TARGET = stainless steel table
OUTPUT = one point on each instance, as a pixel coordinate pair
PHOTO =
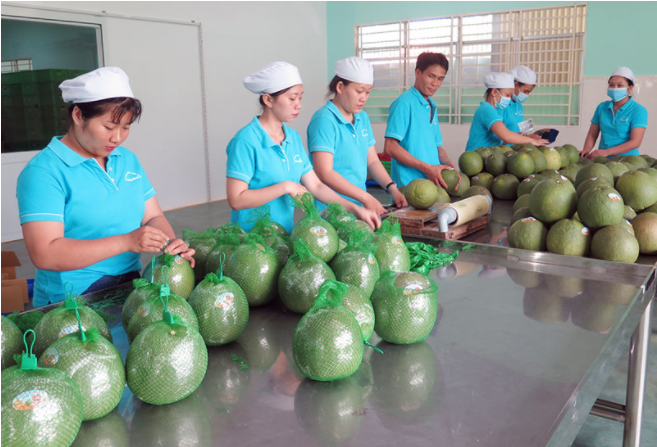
(523, 345)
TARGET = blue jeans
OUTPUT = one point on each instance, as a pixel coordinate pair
(111, 281)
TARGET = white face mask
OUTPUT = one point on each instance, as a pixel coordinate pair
(521, 97)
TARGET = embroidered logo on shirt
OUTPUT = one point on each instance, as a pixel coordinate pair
(625, 118)
(297, 159)
(131, 176)
(365, 132)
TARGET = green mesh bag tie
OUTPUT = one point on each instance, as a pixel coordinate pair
(226, 244)
(328, 343)
(405, 307)
(108, 431)
(319, 236)
(40, 407)
(361, 306)
(167, 360)
(343, 221)
(391, 252)
(12, 342)
(425, 257)
(181, 275)
(62, 321)
(221, 308)
(26, 321)
(233, 228)
(301, 278)
(356, 263)
(144, 290)
(202, 243)
(255, 268)
(94, 364)
(264, 226)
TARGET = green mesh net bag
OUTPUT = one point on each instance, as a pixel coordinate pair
(328, 343)
(151, 310)
(255, 268)
(40, 407)
(108, 431)
(356, 263)
(62, 321)
(264, 226)
(319, 236)
(167, 360)
(405, 307)
(95, 366)
(221, 308)
(232, 228)
(226, 244)
(391, 251)
(343, 221)
(181, 275)
(282, 245)
(361, 307)
(301, 278)
(28, 320)
(12, 342)
(203, 243)
(144, 290)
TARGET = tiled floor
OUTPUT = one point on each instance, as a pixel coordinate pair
(596, 432)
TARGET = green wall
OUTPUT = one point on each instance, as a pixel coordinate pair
(617, 33)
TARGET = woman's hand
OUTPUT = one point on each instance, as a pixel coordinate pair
(180, 247)
(294, 189)
(368, 216)
(146, 239)
(592, 154)
(372, 204)
(398, 197)
(541, 142)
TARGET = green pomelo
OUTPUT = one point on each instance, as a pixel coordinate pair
(12, 342)
(361, 306)
(600, 207)
(614, 243)
(214, 260)
(525, 278)
(203, 244)
(638, 189)
(553, 200)
(552, 157)
(166, 363)
(627, 226)
(652, 172)
(629, 213)
(637, 161)
(281, 245)
(617, 169)
(421, 193)
(483, 179)
(496, 163)
(527, 148)
(597, 170)
(150, 311)
(95, 366)
(573, 153)
(527, 185)
(356, 267)
(144, 290)
(550, 173)
(505, 187)
(565, 286)
(484, 152)
(570, 172)
(520, 213)
(255, 268)
(569, 237)
(645, 229)
(443, 196)
(543, 305)
(591, 183)
(584, 161)
(180, 275)
(299, 282)
(450, 176)
(601, 159)
(516, 147)
(475, 191)
(650, 209)
(540, 162)
(471, 163)
(391, 253)
(565, 156)
(221, 308)
(521, 165)
(108, 431)
(319, 236)
(528, 234)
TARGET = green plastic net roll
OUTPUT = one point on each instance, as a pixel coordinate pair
(181, 275)
(301, 278)
(361, 306)
(356, 263)
(95, 366)
(319, 236)
(391, 251)
(12, 342)
(328, 343)
(143, 291)
(108, 431)
(40, 407)
(202, 243)
(151, 310)
(226, 244)
(221, 308)
(405, 307)
(255, 268)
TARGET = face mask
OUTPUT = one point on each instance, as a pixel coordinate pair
(521, 97)
(617, 94)
(503, 104)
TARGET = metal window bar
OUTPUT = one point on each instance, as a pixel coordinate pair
(16, 65)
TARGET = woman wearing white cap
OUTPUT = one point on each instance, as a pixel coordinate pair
(621, 121)
(525, 82)
(266, 159)
(341, 141)
(85, 204)
(487, 128)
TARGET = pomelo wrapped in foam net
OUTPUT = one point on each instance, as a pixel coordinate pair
(356, 264)
(226, 244)
(12, 342)
(202, 243)
(391, 251)
(143, 290)
(319, 236)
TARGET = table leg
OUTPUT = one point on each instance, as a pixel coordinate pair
(636, 379)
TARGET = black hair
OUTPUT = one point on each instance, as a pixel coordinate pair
(333, 85)
(487, 93)
(273, 95)
(427, 59)
(118, 106)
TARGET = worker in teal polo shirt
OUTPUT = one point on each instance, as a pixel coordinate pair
(412, 137)
(341, 140)
(267, 163)
(621, 121)
(487, 128)
(86, 206)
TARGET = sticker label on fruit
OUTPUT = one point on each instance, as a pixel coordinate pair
(593, 178)
(396, 240)
(51, 356)
(71, 329)
(527, 179)
(586, 231)
(563, 177)
(412, 289)
(346, 219)
(261, 247)
(318, 230)
(224, 300)
(29, 400)
(528, 219)
(179, 260)
(613, 196)
(371, 259)
(629, 223)
(144, 310)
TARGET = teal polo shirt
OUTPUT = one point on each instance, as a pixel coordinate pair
(413, 121)
(60, 185)
(480, 133)
(329, 131)
(616, 128)
(513, 115)
(254, 158)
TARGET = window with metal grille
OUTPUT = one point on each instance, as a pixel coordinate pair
(550, 41)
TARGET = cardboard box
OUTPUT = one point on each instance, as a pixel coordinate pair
(14, 291)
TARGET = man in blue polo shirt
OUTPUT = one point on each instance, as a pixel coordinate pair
(412, 137)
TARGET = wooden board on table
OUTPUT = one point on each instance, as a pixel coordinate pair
(455, 233)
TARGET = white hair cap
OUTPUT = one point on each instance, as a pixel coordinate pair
(273, 78)
(355, 69)
(499, 80)
(523, 74)
(102, 83)
(624, 72)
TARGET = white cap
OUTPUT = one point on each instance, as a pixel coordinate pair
(355, 69)
(102, 83)
(273, 78)
(523, 74)
(624, 72)
(499, 80)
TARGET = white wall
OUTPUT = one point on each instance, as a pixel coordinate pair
(163, 63)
